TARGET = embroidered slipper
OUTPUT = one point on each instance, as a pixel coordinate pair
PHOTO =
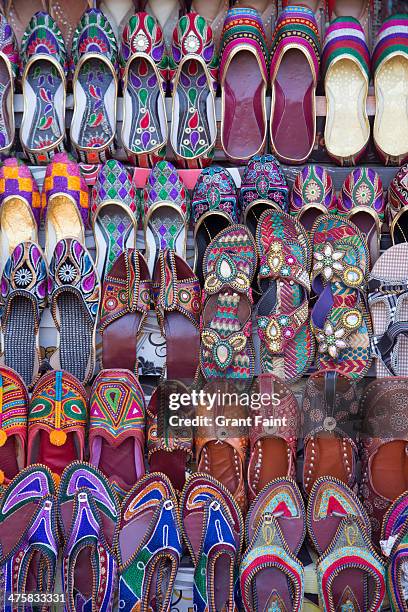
(263, 186)
(226, 323)
(193, 67)
(272, 451)
(29, 539)
(19, 12)
(312, 195)
(144, 78)
(270, 573)
(20, 207)
(114, 215)
(390, 67)
(362, 199)
(74, 291)
(394, 545)
(67, 15)
(268, 11)
(294, 73)
(125, 304)
(329, 415)
(169, 448)
(65, 203)
(23, 299)
(388, 303)
(166, 213)
(9, 71)
(116, 428)
(214, 206)
(212, 529)
(149, 546)
(56, 421)
(384, 438)
(88, 516)
(282, 313)
(44, 60)
(177, 299)
(13, 424)
(346, 66)
(95, 88)
(243, 80)
(349, 571)
(340, 319)
(319, 8)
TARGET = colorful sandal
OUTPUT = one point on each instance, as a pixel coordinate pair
(149, 546)
(346, 65)
(43, 56)
(9, 70)
(294, 72)
(340, 320)
(263, 186)
(95, 87)
(117, 428)
(384, 439)
(114, 215)
(88, 516)
(282, 313)
(362, 199)
(20, 207)
(193, 76)
(24, 289)
(213, 532)
(166, 213)
(312, 195)
(74, 291)
(394, 545)
(144, 77)
(13, 424)
(57, 421)
(243, 80)
(270, 573)
(125, 305)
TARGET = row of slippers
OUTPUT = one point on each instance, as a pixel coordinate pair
(192, 69)
(136, 547)
(337, 432)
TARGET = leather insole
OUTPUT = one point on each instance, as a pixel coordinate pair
(55, 457)
(271, 583)
(221, 463)
(274, 461)
(119, 342)
(389, 469)
(328, 459)
(183, 347)
(118, 462)
(8, 458)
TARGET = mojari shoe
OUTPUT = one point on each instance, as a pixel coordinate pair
(13, 424)
(9, 71)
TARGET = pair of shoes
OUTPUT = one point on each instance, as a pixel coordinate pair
(349, 571)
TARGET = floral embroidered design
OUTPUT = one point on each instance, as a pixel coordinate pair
(328, 261)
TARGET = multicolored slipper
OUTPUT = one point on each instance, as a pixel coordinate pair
(340, 320)
(29, 539)
(362, 199)
(125, 303)
(394, 545)
(312, 195)
(263, 186)
(350, 574)
(243, 80)
(390, 66)
(213, 531)
(270, 573)
(95, 87)
(24, 288)
(74, 291)
(294, 73)
(117, 428)
(144, 76)
(166, 213)
(226, 323)
(346, 66)
(9, 71)
(44, 61)
(13, 424)
(214, 206)
(193, 71)
(57, 421)
(149, 545)
(88, 517)
(64, 202)
(282, 313)
(114, 214)
(20, 207)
